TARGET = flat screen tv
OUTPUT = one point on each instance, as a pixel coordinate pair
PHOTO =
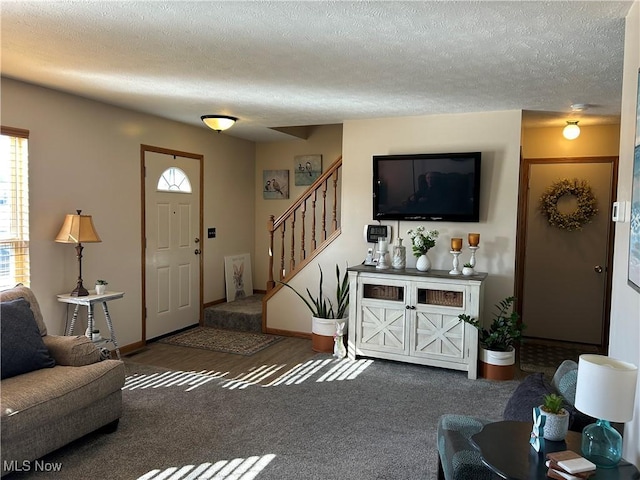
(433, 187)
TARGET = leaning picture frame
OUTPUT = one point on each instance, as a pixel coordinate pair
(634, 228)
(237, 274)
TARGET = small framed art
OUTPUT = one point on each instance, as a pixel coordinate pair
(275, 184)
(307, 168)
(237, 274)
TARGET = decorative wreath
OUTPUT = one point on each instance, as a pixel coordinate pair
(568, 221)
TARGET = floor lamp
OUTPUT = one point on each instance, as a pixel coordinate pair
(78, 229)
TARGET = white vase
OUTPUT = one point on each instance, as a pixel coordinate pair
(100, 289)
(423, 264)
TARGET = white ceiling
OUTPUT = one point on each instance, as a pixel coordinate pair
(283, 64)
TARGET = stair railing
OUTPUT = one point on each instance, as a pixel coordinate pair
(298, 245)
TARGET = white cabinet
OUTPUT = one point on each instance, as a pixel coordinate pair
(412, 316)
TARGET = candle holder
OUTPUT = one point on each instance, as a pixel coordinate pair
(472, 261)
(474, 239)
(456, 270)
(383, 255)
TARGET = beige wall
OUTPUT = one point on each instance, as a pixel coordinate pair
(496, 134)
(625, 309)
(86, 155)
(325, 140)
(548, 142)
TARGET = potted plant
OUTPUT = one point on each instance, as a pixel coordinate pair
(422, 241)
(556, 424)
(101, 287)
(467, 269)
(324, 313)
(497, 352)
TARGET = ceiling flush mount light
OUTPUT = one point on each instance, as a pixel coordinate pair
(571, 130)
(218, 122)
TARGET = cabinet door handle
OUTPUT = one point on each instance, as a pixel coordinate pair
(410, 307)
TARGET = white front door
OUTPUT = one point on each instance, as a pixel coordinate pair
(172, 252)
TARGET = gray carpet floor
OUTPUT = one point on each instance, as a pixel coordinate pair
(326, 420)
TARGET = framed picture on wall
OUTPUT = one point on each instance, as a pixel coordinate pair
(275, 184)
(634, 229)
(307, 168)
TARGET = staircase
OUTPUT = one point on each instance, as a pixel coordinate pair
(300, 234)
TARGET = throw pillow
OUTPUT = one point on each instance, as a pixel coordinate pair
(22, 347)
(526, 396)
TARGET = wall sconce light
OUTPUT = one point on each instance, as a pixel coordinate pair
(218, 122)
(571, 130)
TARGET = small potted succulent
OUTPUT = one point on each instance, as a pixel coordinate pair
(467, 269)
(556, 424)
(101, 287)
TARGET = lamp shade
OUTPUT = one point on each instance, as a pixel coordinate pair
(571, 131)
(218, 122)
(78, 229)
(606, 388)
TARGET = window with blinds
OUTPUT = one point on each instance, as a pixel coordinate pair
(14, 207)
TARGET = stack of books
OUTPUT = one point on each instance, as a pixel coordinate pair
(568, 465)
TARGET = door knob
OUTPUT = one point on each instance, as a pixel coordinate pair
(597, 269)
(196, 240)
(197, 251)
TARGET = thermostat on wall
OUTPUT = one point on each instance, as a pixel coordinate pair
(373, 232)
(618, 212)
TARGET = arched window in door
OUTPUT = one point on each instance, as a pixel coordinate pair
(174, 179)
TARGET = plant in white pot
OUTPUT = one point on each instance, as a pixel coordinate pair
(324, 313)
(556, 424)
(101, 287)
(497, 352)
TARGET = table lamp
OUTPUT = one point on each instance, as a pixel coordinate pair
(78, 229)
(606, 390)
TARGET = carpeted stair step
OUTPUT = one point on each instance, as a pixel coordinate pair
(244, 314)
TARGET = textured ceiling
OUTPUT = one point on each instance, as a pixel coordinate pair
(283, 64)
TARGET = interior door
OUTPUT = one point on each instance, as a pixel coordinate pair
(172, 251)
(565, 279)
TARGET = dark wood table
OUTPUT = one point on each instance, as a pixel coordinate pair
(505, 449)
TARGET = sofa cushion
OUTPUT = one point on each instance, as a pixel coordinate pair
(20, 291)
(565, 380)
(527, 395)
(39, 397)
(22, 347)
(73, 351)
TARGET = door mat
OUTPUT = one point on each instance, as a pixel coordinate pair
(537, 357)
(226, 341)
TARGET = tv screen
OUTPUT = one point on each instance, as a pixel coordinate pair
(433, 187)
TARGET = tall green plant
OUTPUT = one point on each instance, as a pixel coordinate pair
(321, 306)
(505, 329)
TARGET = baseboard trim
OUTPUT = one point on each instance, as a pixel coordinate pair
(288, 333)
